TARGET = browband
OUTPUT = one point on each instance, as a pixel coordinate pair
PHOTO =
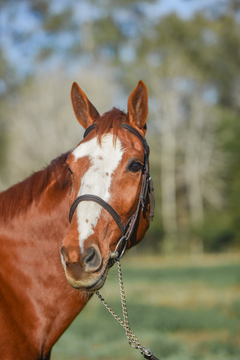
(124, 126)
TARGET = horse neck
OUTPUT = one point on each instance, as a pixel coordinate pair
(42, 185)
(32, 237)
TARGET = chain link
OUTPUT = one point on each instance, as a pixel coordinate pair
(132, 339)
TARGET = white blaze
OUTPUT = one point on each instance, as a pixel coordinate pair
(104, 160)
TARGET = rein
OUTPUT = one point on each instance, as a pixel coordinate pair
(126, 232)
(146, 187)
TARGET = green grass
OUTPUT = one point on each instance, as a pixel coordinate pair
(217, 276)
(182, 310)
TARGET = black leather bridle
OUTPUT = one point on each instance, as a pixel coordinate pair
(146, 187)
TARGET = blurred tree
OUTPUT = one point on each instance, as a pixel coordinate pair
(209, 43)
(85, 30)
(39, 35)
(229, 218)
(8, 89)
(191, 68)
(43, 124)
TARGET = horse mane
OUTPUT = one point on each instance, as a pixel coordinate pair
(19, 197)
(111, 119)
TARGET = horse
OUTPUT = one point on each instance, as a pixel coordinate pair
(63, 227)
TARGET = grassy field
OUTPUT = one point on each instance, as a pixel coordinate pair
(183, 308)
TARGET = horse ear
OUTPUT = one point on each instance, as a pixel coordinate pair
(84, 110)
(138, 106)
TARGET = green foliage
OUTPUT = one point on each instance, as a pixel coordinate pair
(107, 36)
(229, 133)
(206, 44)
(217, 232)
(59, 22)
(3, 147)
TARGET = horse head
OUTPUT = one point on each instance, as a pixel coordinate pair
(109, 201)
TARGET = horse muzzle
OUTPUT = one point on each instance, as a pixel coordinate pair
(87, 271)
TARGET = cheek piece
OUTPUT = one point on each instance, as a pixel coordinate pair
(146, 188)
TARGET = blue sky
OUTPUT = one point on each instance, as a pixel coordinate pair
(15, 16)
(184, 8)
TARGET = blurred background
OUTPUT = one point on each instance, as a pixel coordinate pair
(188, 54)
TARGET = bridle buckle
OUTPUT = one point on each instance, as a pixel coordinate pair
(115, 254)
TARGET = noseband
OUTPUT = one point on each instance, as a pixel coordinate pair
(146, 187)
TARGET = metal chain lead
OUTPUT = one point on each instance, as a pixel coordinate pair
(132, 339)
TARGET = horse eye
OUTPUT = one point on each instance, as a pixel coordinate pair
(135, 167)
(70, 170)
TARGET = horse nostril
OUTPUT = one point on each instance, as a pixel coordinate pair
(90, 256)
(93, 260)
(64, 255)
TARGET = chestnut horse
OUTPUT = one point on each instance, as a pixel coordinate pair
(37, 304)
